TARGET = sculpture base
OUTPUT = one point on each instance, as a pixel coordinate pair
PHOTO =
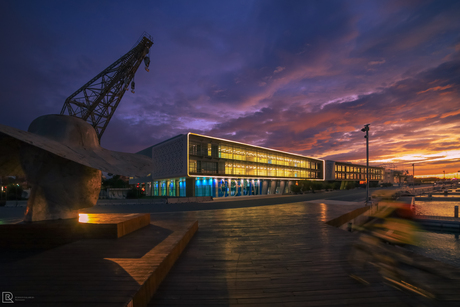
(48, 234)
(97, 272)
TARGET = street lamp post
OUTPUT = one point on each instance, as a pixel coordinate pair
(366, 130)
(413, 177)
(444, 175)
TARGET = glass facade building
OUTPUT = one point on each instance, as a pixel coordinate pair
(198, 165)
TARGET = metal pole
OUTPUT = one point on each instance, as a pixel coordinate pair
(367, 165)
(366, 129)
(413, 176)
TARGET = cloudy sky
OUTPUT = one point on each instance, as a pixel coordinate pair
(299, 76)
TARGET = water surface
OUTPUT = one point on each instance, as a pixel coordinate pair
(444, 247)
(435, 208)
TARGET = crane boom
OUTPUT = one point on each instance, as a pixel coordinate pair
(97, 100)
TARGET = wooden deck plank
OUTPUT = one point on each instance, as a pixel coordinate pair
(283, 255)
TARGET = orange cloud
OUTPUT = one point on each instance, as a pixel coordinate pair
(436, 88)
(450, 114)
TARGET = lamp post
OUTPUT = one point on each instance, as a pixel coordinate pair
(366, 130)
(444, 175)
(413, 176)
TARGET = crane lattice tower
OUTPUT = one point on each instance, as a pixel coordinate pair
(97, 100)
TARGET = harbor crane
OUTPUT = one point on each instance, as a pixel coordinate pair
(96, 101)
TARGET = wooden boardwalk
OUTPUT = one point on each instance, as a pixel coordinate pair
(282, 255)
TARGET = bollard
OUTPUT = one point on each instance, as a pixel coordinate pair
(456, 211)
(350, 226)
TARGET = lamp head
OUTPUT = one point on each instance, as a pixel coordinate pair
(366, 128)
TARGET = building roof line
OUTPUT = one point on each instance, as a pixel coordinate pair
(174, 137)
(265, 148)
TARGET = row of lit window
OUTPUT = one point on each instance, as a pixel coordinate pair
(259, 155)
(357, 176)
(255, 167)
(238, 153)
(355, 169)
(270, 171)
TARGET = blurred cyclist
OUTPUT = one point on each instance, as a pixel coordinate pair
(394, 221)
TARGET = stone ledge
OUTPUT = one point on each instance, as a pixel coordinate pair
(102, 272)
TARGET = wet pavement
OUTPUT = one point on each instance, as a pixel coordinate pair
(280, 255)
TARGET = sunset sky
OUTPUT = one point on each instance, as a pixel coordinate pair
(298, 76)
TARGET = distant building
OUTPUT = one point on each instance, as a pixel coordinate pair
(344, 171)
(397, 177)
(191, 165)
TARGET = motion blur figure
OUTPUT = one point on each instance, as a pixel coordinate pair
(380, 248)
(394, 221)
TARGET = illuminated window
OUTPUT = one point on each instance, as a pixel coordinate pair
(239, 154)
(228, 168)
(262, 157)
(251, 155)
(225, 151)
(239, 168)
(192, 166)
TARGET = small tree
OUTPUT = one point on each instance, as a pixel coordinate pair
(350, 185)
(115, 182)
(305, 185)
(134, 193)
(13, 192)
(373, 184)
(295, 188)
(318, 186)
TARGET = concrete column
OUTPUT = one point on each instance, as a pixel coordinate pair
(264, 186)
(215, 183)
(282, 186)
(190, 187)
(273, 187)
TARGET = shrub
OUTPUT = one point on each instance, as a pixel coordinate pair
(295, 188)
(134, 193)
(13, 192)
(350, 185)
